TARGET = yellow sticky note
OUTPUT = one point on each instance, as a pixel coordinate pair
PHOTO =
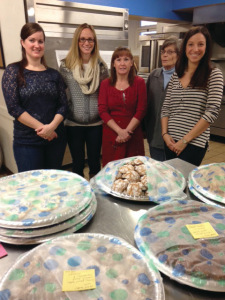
(78, 280)
(202, 230)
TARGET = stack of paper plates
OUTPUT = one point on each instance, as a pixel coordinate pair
(36, 206)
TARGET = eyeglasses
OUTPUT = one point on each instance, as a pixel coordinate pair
(169, 52)
(83, 40)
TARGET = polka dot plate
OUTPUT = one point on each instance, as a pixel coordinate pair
(209, 181)
(46, 237)
(121, 272)
(161, 234)
(41, 198)
(201, 197)
(164, 182)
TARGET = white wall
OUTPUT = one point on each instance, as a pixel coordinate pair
(12, 18)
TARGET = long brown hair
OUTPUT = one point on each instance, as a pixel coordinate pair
(74, 57)
(202, 73)
(27, 30)
(122, 51)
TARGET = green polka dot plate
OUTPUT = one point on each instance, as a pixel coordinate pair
(161, 235)
(209, 181)
(121, 272)
(41, 198)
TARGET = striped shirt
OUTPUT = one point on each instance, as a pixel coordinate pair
(186, 106)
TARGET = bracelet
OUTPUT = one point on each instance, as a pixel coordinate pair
(164, 134)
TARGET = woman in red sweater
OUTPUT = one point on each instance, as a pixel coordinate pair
(122, 104)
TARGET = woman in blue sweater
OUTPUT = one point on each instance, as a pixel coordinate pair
(35, 96)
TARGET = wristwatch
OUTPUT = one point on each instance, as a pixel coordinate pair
(184, 141)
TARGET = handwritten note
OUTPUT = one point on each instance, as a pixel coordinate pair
(2, 251)
(202, 230)
(78, 280)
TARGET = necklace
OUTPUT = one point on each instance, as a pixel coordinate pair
(124, 86)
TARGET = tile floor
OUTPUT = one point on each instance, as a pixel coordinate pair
(216, 153)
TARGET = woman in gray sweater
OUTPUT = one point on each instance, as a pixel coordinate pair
(156, 90)
(83, 70)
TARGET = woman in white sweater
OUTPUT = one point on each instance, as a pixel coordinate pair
(83, 70)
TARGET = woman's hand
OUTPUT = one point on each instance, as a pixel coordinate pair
(53, 136)
(45, 131)
(179, 147)
(123, 136)
(169, 141)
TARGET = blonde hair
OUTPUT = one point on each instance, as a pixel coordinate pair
(74, 57)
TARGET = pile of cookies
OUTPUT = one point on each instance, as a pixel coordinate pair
(131, 179)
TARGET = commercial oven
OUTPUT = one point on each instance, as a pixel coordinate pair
(150, 46)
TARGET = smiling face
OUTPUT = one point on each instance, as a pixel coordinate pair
(34, 46)
(123, 64)
(86, 42)
(169, 57)
(195, 48)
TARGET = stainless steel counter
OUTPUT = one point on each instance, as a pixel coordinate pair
(119, 218)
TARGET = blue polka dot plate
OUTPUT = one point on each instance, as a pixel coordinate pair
(41, 198)
(209, 181)
(161, 235)
(201, 197)
(121, 272)
(163, 182)
(69, 228)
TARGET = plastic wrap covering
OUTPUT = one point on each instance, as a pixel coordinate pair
(36, 206)
(121, 272)
(149, 180)
(208, 183)
(161, 234)
(32, 237)
(42, 198)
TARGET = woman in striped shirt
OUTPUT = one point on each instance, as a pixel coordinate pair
(193, 99)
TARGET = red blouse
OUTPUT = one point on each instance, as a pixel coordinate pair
(132, 102)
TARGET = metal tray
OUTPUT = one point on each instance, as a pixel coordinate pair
(42, 198)
(161, 235)
(45, 238)
(41, 232)
(121, 271)
(201, 197)
(209, 181)
(165, 183)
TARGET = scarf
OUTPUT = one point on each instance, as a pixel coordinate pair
(88, 79)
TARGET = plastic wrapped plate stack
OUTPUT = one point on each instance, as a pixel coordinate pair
(161, 235)
(162, 181)
(207, 183)
(121, 272)
(36, 206)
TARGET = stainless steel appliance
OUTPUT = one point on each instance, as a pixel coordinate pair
(150, 46)
(59, 20)
(218, 127)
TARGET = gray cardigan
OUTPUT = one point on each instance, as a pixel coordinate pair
(155, 97)
(83, 109)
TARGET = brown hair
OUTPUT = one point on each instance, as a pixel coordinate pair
(27, 30)
(202, 73)
(74, 57)
(121, 51)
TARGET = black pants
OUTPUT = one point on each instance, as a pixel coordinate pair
(78, 137)
(192, 154)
